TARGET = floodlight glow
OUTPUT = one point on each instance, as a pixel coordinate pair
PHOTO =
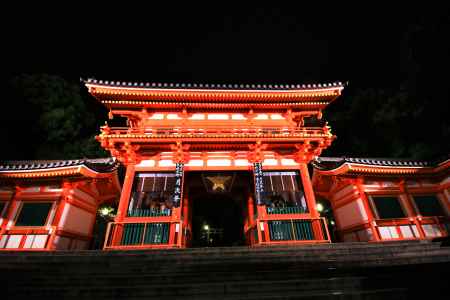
(319, 207)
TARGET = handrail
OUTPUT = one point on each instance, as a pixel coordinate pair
(418, 221)
(323, 228)
(167, 130)
(27, 231)
(410, 220)
(111, 232)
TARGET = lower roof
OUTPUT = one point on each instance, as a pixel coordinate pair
(349, 165)
(58, 168)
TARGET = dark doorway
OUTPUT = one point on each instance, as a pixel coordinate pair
(218, 213)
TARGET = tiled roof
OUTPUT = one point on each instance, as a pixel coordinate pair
(126, 84)
(101, 165)
(329, 163)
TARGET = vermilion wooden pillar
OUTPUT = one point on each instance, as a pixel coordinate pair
(11, 209)
(370, 216)
(123, 204)
(310, 200)
(251, 210)
(250, 218)
(126, 193)
(185, 217)
(410, 208)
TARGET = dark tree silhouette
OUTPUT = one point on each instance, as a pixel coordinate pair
(50, 118)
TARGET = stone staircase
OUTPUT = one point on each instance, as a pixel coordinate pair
(394, 270)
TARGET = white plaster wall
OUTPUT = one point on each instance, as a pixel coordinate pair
(13, 241)
(35, 241)
(76, 220)
(344, 191)
(79, 245)
(84, 196)
(3, 240)
(446, 180)
(351, 214)
(407, 231)
(62, 243)
(388, 232)
(365, 235)
(431, 230)
(350, 237)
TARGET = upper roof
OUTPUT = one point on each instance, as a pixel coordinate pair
(200, 86)
(57, 168)
(217, 96)
(353, 165)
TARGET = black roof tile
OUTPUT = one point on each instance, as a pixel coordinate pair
(216, 86)
(329, 163)
(102, 165)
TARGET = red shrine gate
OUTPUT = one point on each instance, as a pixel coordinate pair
(248, 144)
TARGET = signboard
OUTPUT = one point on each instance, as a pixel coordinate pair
(178, 184)
(259, 183)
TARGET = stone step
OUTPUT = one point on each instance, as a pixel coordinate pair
(235, 250)
(231, 286)
(183, 256)
(337, 287)
(366, 271)
(151, 262)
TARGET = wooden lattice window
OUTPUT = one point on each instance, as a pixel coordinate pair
(152, 194)
(2, 209)
(429, 205)
(33, 214)
(283, 191)
(388, 207)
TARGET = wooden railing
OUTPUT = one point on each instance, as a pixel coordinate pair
(153, 234)
(412, 227)
(215, 130)
(292, 230)
(287, 210)
(28, 238)
(150, 212)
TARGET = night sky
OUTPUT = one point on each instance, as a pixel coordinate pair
(364, 46)
(225, 44)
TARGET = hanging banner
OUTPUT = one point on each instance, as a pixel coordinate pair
(178, 184)
(259, 183)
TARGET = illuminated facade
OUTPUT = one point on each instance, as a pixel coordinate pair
(52, 205)
(220, 165)
(190, 150)
(385, 199)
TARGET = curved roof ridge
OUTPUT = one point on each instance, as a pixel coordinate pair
(328, 163)
(108, 164)
(245, 86)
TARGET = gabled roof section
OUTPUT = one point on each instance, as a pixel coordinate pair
(225, 96)
(382, 166)
(58, 168)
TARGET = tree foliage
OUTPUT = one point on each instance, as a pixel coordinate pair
(50, 118)
(410, 120)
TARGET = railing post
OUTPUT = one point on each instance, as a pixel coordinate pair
(418, 222)
(144, 232)
(107, 235)
(441, 227)
(51, 238)
(324, 222)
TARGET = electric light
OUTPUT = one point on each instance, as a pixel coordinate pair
(319, 207)
(206, 227)
(104, 211)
